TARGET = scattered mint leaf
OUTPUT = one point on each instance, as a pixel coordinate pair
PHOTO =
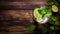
(32, 28)
(54, 18)
(50, 2)
(44, 29)
(57, 23)
(52, 27)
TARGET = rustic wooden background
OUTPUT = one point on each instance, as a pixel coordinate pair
(16, 15)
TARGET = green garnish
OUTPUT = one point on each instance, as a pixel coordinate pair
(32, 28)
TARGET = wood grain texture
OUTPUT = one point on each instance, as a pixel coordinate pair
(21, 0)
(15, 20)
(15, 33)
(14, 29)
(16, 17)
(31, 4)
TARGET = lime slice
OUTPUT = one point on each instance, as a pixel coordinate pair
(54, 8)
(36, 12)
(37, 15)
(39, 19)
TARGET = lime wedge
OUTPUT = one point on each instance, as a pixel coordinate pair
(37, 15)
(54, 8)
(39, 20)
(36, 12)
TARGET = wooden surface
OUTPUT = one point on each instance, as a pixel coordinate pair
(22, 4)
(15, 20)
(17, 15)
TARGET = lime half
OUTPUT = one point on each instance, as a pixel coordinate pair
(54, 8)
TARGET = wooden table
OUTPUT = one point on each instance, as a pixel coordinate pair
(17, 15)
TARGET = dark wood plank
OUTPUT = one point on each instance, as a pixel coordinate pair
(15, 33)
(14, 29)
(21, 5)
(27, 7)
(21, 0)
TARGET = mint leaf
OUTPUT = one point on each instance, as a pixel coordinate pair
(57, 23)
(44, 29)
(53, 18)
(42, 11)
(50, 2)
(52, 27)
(32, 28)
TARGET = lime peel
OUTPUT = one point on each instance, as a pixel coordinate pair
(37, 15)
(54, 8)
